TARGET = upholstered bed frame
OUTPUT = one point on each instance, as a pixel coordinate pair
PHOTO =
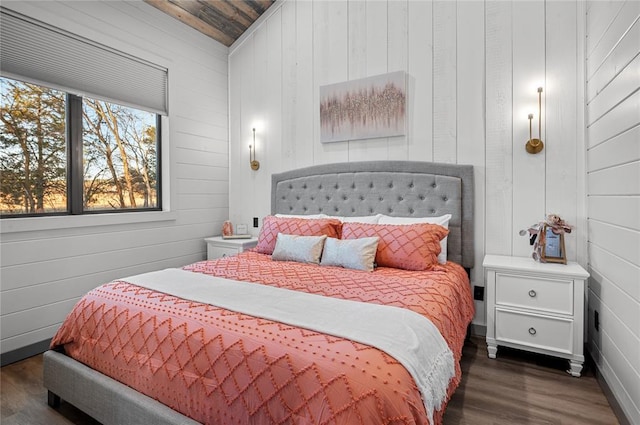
(396, 188)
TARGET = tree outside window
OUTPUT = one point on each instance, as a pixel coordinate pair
(119, 160)
(33, 166)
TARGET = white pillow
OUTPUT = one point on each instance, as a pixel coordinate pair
(368, 219)
(358, 254)
(303, 249)
(443, 221)
(309, 216)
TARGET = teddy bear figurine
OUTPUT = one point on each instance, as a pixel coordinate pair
(558, 225)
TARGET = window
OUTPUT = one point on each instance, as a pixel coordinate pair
(66, 154)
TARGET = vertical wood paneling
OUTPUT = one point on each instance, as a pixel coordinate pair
(528, 74)
(498, 145)
(397, 56)
(305, 91)
(561, 142)
(444, 81)
(330, 65)
(360, 13)
(249, 103)
(289, 97)
(240, 85)
(470, 129)
(357, 39)
(375, 52)
(460, 58)
(420, 88)
(377, 37)
(266, 148)
(272, 146)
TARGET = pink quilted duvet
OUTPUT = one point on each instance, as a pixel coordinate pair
(221, 367)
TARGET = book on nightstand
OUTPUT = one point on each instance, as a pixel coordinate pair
(237, 237)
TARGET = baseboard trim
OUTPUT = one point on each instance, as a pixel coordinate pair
(478, 330)
(24, 352)
(615, 406)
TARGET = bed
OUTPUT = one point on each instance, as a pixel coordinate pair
(261, 370)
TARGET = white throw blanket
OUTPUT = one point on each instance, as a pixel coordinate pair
(403, 334)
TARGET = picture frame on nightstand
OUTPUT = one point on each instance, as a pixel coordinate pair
(553, 250)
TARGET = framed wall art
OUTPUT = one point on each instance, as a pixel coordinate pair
(364, 109)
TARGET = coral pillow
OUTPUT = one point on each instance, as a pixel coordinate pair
(404, 246)
(442, 221)
(271, 226)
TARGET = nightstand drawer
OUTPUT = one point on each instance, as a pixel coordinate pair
(537, 293)
(218, 247)
(219, 252)
(549, 333)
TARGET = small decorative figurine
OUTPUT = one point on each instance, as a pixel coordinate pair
(547, 239)
(227, 228)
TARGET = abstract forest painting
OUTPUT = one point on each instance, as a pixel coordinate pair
(364, 109)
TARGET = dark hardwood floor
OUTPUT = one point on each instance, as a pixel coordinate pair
(516, 388)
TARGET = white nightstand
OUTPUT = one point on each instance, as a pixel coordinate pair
(218, 247)
(537, 307)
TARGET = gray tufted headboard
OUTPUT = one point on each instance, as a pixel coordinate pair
(395, 188)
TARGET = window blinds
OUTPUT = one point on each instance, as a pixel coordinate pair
(39, 53)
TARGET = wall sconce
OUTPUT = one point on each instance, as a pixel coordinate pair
(536, 145)
(252, 153)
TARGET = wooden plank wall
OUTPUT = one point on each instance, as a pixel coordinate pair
(473, 70)
(613, 182)
(49, 265)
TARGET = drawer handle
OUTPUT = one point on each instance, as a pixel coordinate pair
(532, 293)
(532, 331)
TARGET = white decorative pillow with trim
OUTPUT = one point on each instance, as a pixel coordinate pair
(357, 254)
(308, 217)
(303, 249)
(442, 220)
(368, 219)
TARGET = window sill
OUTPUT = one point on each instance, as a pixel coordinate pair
(35, 224)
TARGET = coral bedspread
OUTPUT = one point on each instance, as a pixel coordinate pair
(218, 366)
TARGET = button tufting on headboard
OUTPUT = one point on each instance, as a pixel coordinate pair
(398, 188)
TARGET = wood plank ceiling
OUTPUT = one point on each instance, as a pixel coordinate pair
(222, 20)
